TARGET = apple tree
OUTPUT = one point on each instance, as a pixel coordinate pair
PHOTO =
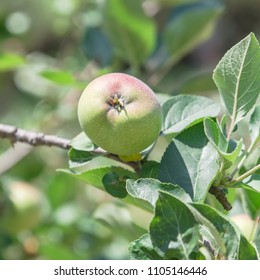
(170, 171)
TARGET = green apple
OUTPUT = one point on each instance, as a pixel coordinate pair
(24, 207)
(120, 114)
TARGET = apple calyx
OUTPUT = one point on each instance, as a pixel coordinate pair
(117, 102)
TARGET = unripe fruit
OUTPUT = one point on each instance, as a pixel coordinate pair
(23, 209)
(120, 114)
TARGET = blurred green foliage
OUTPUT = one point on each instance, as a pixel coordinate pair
(49, 51)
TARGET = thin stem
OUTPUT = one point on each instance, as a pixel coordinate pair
(231, 128)
(245, 175)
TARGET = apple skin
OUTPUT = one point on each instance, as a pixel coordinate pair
(120, 114)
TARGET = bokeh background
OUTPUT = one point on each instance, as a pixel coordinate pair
(49, 51)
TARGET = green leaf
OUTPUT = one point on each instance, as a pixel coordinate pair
(115, 185)
(10, 61)
(254, 125)
(193, 81)
(96, 46)
(215, 135)
(246, 250)
(223, 124)
(116, 218)
(142, 249)
(189, 28)
(190, 161)
(237, 77)
(56, 251)
(251, 202)
(95, 176)
(78, 158)
(148, 190)
(130, 31)
(219, 141)
(211, 246)
(182, 111)
(257, 241)
(59, 77)
(80, 153)
(231, 157)
(253, 159)
(175, 2)
(191, 236)
(92, 177)
(236, 245)
(173, 227)
(229, 237)
(59, 189)
(252, 182)
(82, 143)
(150, 169)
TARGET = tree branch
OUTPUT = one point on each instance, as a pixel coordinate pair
(15, 134)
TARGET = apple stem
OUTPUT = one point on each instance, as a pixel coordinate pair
(117, 102)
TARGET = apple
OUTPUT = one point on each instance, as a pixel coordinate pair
(120, 114)
(24, 207)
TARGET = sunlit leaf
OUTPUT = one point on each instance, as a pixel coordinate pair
(142, 249)
(10, 61)
(246, 250)
(131, 32)
(257, 241)
(190, 27)
(226, 236)
(237, 77)
(251, 202)
(254, 125)
(252, 182)
(82, 142)
(215, 135)
(182, 111)
(148, 190)
(59, 77)
(173, 227)
(95, 176)
(220, 142)
(190, 161)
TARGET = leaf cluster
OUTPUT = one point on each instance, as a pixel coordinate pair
(201, 158)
